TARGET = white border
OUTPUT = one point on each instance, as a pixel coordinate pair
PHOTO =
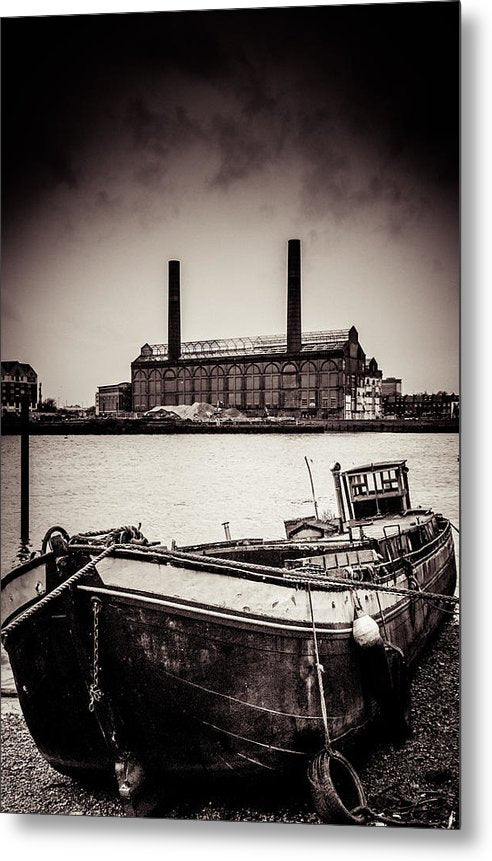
(78, 838)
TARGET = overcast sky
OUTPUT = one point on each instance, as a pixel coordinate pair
(213, 138)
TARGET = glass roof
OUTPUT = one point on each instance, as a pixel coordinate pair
(223, 347)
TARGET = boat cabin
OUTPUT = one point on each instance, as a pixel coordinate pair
(376, 490)
(310, 528)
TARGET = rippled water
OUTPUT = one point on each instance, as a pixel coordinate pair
(184, 487)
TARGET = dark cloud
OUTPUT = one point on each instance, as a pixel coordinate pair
(241, 152)
(104, 201)
(320, 83)
(160, 131)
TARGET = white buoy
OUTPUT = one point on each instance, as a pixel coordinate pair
(365, 630)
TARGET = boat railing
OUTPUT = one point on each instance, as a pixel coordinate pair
(430, 547)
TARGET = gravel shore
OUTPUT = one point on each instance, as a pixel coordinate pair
(415, 783)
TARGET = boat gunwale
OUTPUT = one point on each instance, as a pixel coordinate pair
(25, 567)
(197, 562)
(274, 575)
(231, 617)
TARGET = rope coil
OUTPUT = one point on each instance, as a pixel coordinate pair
(115, 535)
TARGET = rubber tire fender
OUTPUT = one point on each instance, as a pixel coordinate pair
(337, 792)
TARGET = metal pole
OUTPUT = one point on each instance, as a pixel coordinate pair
(312, 488)
(25, 469)
(227, 530)
(335, 470)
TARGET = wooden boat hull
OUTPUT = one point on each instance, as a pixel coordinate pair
(198, 687)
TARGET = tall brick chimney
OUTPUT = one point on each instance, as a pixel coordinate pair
(294, 296)
(174, 313)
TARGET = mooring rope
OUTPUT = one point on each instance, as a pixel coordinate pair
(319, 670)
(300, 579)
(317, 578)
(115, 535)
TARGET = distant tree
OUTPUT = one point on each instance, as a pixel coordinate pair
(90, 411)
(48, 406)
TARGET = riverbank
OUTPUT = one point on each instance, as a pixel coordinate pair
(418, 781)
(11, 426)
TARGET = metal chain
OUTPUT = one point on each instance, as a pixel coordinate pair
(95, 692)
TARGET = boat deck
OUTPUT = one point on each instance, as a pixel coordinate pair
(383, 527)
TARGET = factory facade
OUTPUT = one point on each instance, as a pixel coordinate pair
(313, 374)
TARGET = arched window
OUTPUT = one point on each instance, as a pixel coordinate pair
(217, 386)
(272, 386)
(170, 393)
(201, 386)
(330, 390)
(140, 391)
(155, 388)
(184, 387)
(253, 386)
(290, 393)
(235, 387)
(309, 386)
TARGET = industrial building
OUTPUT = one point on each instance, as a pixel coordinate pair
(114, 399)
(300, 374)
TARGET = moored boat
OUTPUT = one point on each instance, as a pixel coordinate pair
(146, 661)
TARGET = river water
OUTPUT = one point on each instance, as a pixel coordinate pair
(184, 487)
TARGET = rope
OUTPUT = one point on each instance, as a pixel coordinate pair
(96, 532)
(319, 670)
(316, 578)
(382, 617)
(80, 575)
(341, 583)
(372, 817)
(455, 528)
(116, 535)
(443, 609)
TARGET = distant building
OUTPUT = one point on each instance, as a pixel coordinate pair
(439, 405)
(372, 395)
(73, 410)
(113, 400)
(390, 386)
(18, 379)
(299, 374)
